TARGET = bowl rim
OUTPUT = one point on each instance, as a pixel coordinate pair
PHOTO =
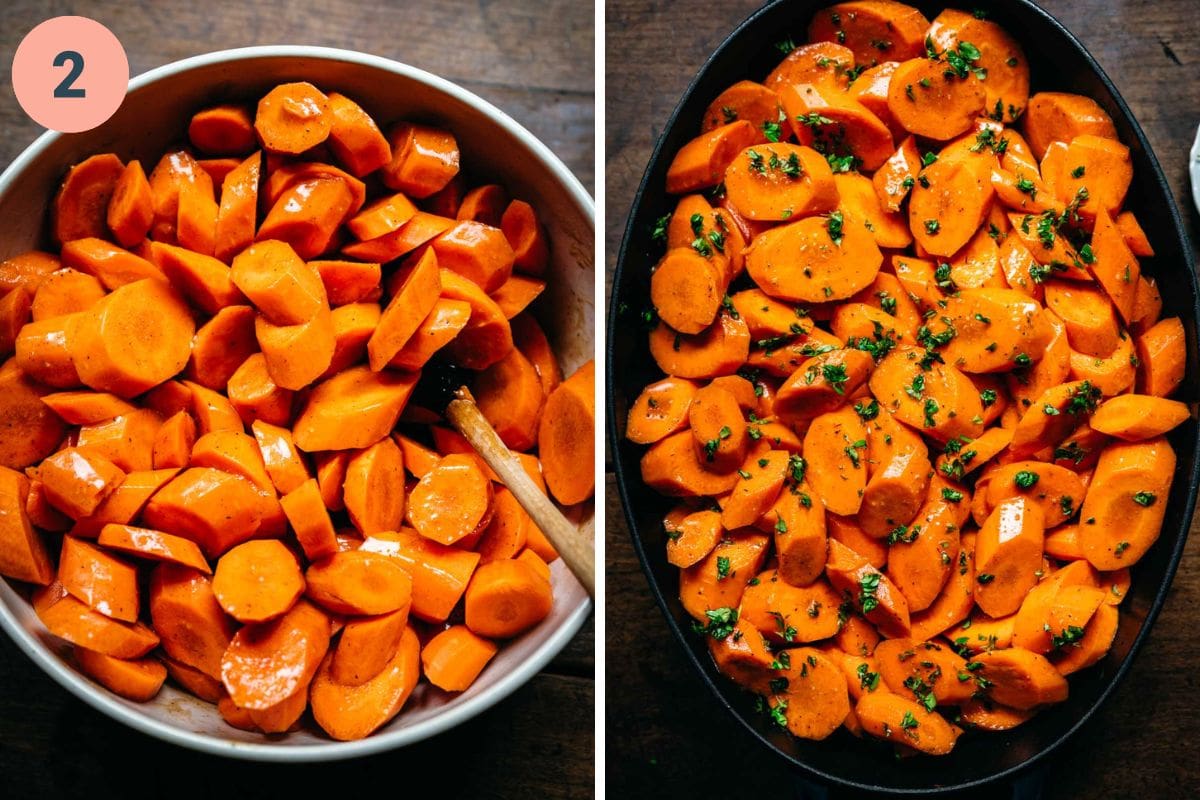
(331, 750)
(806, 770)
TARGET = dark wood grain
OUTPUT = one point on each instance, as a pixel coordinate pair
(665, 734)
(535, 61)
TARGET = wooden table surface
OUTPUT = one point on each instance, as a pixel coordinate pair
(665, 735)
(535, 61)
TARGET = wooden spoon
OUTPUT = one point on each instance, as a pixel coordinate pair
(575, 545)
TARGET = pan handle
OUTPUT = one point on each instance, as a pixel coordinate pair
(1028, 785)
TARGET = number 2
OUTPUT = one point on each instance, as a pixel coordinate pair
(66, 87)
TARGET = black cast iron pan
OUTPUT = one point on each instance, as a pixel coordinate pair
(1058, 62)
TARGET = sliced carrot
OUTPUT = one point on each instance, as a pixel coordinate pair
(897, 719)
(72, 620)
(267, 663)
(292, 118)
(452, 501)
(358, 582)
(257, 581)
(237, 215)
(353, 712)
(23, 554)
(506, 598)
(130, 211)
(152, 545)
(1161, 354)
(1126, 502)
(354, 137)
(81, 205)
(453, 659)
(308, 214)
(373, 490)
(353, 409)
(348, 281)
(566, 437)
(138, 680)
(872, 592)
(415, 294)
(440, 574)
(212, 508)
(280, 285)
(424, 159)
(527, 237)
(297, 355)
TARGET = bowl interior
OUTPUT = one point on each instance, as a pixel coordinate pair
(1058, 62)
(153, 117)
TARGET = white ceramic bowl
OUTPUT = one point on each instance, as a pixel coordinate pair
(154, 116)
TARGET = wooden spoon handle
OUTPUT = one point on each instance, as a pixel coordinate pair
(576, 548)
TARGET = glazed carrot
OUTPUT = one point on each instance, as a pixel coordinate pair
(920, 669)
(125, 502)
(348, 281)
(928, 99)
(111, 265)
(857, 195)
(873, 593)
(196, 224)
(687, 288)
(506, 598)
(507, 533)
(130, 211)
(86, 408)
(828, 117)
(786, 614)
(1161, 354)
(872, 30)
(1135, 238)
(527, 237)
(940, 402)
(212, 410)
(440, 574)
(1147, 305)
(292, 118)
(266, 664)
(224, 130)
(76, 481)
(283, 463)
(841, 254)
(923, 554)
(43, 351)
(221, 345)
(850, 534)
(1092, 327)
(237, 214)
(1085, 651)
(374, 487)
(65, 291)
(816, 701)
(138, 680)
(1021, 679)
(1135, 417)
(196, 682)
(453, 659)
(280, 285)
(202, 279)
(212, 508)
(414, 294)
(778, 181)
(80, 208)
(1060, 117)
(744, 100)
(566, 437)
(424, 159)
(353, 409)
(485, 204)
(297, 355)
(1000, 55)
(719, 580)
(283, 175)
(897, 719)
(257, 581)
(821, 385)
(27, 270)
(15, 312)
(152, 545)
(70, 619)
(452, 501)
(358, 582)
(366, 646)
(105, 583)
(1127, 499)
(1008, 553)
(354, 137)
(354, 712)
(701, 162)
(308, 214)
(422, 228)
(23, 554)
(1055, 490)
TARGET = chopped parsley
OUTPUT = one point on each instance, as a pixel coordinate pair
(1145, 499)
(867, 585)
(834, 226)
(1025, 479)
(721, 622)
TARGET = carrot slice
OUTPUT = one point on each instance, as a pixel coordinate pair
(353, 409)
(152, 545)
(257, 581)
(292, 118)
(267, 663)
(23, 554)
(72, 620)
(505, 598)
(353, 712)
(453, 659)
(214, 509)
(305, 510)
(224, 130)
(358, 582)
(415, 293)
(437, 330)
(897, 719)
(238, 211)
(348, 281)
(280, 285)
(527, 237)
(138, 680)
(366, 646)
(452, 501)
(440, 574)
(424, 159)
(354, 137)
(221, 345)
(566, 437)
(373, 490)
(81, 205)
(130, 211)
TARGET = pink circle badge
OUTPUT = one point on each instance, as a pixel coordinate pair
(70, 74)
